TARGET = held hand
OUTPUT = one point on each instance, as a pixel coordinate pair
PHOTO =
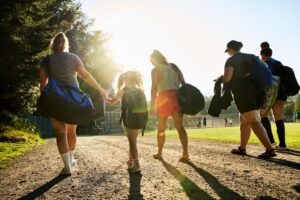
(152, 111)
(103, 93)
(106, 99)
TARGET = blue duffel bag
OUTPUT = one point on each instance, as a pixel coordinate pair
(65, 102)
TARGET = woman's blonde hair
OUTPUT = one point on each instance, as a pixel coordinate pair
(134, 78)
(159, 57)
(60, 43)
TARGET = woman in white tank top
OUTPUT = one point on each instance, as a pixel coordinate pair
(164, 99)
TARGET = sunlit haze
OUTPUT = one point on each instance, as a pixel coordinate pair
(193, 33)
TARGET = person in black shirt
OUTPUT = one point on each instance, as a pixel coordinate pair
(277, 108)
(246, 97)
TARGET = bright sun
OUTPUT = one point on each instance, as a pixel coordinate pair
(133, 38)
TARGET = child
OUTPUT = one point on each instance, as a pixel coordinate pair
(131, 94)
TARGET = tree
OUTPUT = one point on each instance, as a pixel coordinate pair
(27, 27)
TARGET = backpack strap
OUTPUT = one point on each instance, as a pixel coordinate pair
(123, 106)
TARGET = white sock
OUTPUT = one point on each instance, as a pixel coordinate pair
(66, 160)
(72, 159)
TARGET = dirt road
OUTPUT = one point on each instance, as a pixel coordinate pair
(100, 173)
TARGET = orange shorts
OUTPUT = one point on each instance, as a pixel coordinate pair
(167, 103)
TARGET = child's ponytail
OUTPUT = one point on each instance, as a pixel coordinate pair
(121, 81)
(134, 78)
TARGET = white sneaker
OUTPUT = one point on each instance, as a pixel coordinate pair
(65, 172)
(279, 148)
(74, 162)
(274, 144)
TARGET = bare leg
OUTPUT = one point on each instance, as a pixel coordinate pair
(71, 134)
(71, 131)
(62, 144)
(162, 122)
(132, 138)
(61, 135)
(261, 133)
(278, 109)
(278, 112)
(178, 121)
(133, 151)
(253, 118)
(245, 129)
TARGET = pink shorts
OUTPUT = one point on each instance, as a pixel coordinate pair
(167, 103)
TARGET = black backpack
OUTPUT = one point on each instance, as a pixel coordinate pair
(191, 100)
(259, 72)
(288, 82)
(134, 109)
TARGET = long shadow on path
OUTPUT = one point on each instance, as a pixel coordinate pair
(286, 163)
(214, 183)
(135, 186)
(44, 188)
(293, 152)
(189, 187)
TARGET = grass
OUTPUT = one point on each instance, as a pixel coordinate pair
(232, 134)
(14, 143)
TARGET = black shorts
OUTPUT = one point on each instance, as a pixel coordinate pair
(246, 96)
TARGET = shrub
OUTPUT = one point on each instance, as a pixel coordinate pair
(8, 121)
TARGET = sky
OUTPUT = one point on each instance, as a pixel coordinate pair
(193, 33)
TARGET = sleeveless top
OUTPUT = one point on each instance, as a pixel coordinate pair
(168, 79)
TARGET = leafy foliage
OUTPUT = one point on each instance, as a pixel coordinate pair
(27, 27)
(9, 120)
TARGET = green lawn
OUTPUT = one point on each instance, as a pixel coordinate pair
(15, 143)
(232, 134)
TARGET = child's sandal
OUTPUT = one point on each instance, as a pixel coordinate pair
(184, 159)
(239, 151)
(129, 163)
(136, 166)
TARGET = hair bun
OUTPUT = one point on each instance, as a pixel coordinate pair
(240, 45)
(264, 45)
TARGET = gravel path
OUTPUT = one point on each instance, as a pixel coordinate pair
(101, 173)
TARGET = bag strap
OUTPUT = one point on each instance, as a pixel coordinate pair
(176, 69)
(46, 62)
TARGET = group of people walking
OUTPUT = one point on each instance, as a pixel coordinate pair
(248, 100)
(164, 101)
